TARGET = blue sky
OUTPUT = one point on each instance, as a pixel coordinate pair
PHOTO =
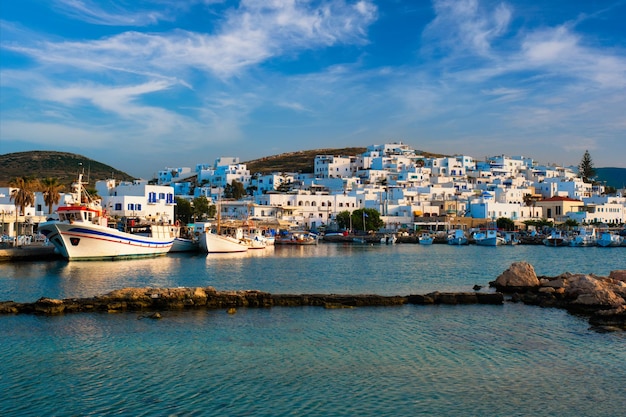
(141, 85)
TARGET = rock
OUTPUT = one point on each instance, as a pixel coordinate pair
(619, 275)
(588, 290)
(610, 319)
(49, 306)
(519, 276)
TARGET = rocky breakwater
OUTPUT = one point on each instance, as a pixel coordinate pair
(163, 299)
(601, 299)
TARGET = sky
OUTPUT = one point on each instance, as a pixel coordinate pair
(144, 85)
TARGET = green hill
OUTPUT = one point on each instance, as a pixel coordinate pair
(62, 165)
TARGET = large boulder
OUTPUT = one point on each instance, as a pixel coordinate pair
(520, 276)
(592, 291)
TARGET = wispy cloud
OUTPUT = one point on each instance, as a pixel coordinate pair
(117, 13)
(250, 34)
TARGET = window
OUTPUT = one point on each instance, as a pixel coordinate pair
(118, 206)
(138, 206)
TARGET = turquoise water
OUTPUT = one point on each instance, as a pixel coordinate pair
(510, 360)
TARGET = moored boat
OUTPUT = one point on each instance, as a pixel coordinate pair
(426, 239)
(296, 238)
(556, 238)
(216, 239)
(82, 233)
(457, 237)
(609, 239)
(584, 237)
(488, 237)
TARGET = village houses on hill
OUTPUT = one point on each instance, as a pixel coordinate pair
(410, 191)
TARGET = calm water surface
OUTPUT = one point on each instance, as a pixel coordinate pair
(411, 360)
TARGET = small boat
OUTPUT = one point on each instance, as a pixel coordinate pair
(185, 241)
(556, 238)
(214, 238)
(488, 237)
(584, 237)
(457, 237)
(82, 232)
(388, 239)
(426, 239)
(296, 238)
(511, 238)
(609, 239)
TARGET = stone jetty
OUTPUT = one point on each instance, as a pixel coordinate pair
(163, 299)
(601, 299)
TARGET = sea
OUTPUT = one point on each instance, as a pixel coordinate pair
(464, 360)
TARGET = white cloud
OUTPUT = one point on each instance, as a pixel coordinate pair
(248, 35)
(463, 24)
(115, 13)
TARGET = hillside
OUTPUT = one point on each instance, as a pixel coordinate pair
(303, 161)
(62, 165)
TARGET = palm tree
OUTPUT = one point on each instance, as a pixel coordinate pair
(51, 188)
(23, 195)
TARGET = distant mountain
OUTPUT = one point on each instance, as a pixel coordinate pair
(614, 177)
(62, 165)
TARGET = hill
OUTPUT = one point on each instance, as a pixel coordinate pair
(62, 165)
(303, 161)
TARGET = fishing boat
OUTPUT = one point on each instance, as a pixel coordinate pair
(584, 237)
(215, 238)
(609, 239)
(556, 238)
(82, 232)
(488, 237)
(296, 238)
(511, 238)
(457, 237)
(185, 241)
(426, 239)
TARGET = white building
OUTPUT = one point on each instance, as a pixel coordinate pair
(137, 199)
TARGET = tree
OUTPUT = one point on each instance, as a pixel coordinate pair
(504, 223)
(234, 190)
(343, 219)
(183, 210)
(23, 195)
(51, 188)
(570, 223)
(200, 207)
(371, 217)
(585, 169)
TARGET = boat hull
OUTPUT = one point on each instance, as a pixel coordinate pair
(213, 243)
(94, 242)
(184, 245)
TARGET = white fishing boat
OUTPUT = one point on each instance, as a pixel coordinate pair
(82, 233)
(214, 238)
(488, 237)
